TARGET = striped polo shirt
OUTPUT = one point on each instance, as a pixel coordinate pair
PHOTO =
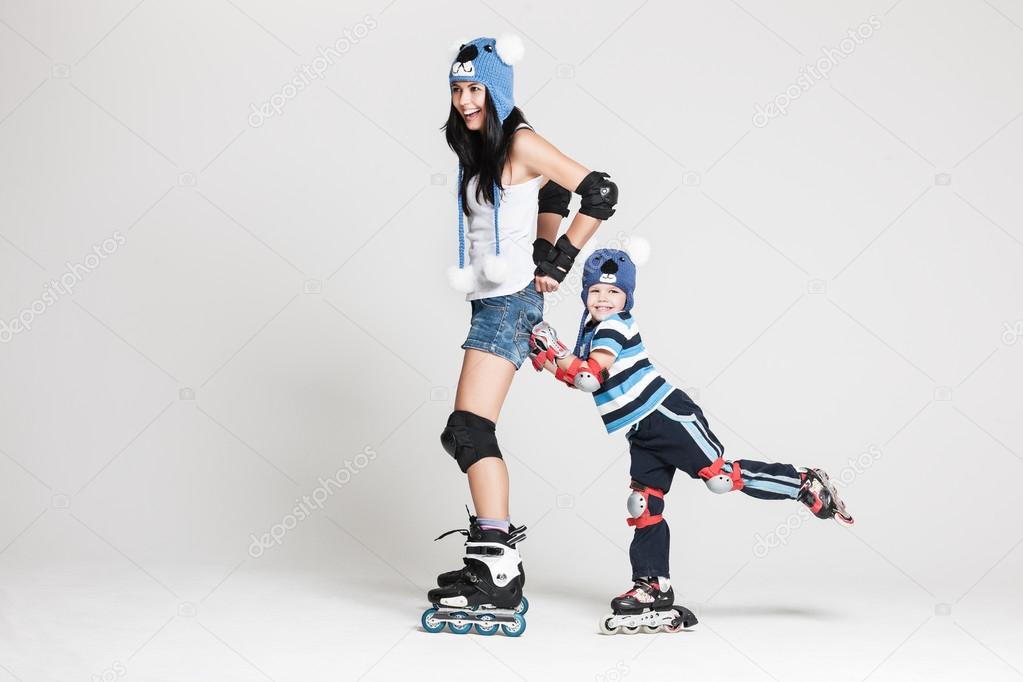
(633, 388)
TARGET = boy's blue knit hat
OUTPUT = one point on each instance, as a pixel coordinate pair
(606, 266)
(487, 61)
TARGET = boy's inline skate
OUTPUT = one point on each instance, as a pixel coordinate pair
(486, 593)
(646, 607)
(819, 494)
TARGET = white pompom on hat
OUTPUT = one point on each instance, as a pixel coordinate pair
(454, 49)
(461, 279)
(495, 268)
(510, 49)
(638, 249)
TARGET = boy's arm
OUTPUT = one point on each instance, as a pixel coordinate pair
(548, 352)
(604, 358)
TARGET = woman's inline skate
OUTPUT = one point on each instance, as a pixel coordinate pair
(646, 607)
(486, 593)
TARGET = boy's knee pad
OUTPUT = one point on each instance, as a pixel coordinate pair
(645, 505)
(719, 482)
(469, 438)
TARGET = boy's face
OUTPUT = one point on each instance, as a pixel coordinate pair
(603, 300)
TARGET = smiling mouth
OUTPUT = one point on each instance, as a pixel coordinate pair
(472, 115)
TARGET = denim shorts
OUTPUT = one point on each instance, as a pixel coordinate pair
(501, 325)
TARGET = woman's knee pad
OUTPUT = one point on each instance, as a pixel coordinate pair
(645, 505)
(469, 438)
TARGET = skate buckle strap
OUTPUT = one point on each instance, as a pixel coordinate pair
(713, 469)
(809, 493)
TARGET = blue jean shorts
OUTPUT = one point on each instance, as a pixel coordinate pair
(501, 325)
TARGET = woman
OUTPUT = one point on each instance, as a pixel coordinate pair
(509, 180)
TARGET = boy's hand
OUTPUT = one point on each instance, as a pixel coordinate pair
(545, 346)
(544, 339)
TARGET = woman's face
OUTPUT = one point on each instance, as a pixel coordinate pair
(467, 98)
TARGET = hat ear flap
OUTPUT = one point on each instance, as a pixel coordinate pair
(510, 49)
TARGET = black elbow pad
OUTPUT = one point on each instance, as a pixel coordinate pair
(599, 195)
(553, 198)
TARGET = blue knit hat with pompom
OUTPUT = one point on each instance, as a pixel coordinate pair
(487, 61)
(606, 266)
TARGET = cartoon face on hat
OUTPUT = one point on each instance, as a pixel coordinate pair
(489, 61)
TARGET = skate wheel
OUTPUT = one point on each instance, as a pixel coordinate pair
(606, 625)
(652, 628)
(522, 607)
(430, 623)
(486, 626)
(515, 629)
(630, 629)
(461, 625)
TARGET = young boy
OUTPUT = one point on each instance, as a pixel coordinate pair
(666, 431)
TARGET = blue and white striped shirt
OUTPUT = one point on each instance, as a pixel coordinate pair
(633, 388)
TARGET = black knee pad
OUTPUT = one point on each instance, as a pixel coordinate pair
(469, 438)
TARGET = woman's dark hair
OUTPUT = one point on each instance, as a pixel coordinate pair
(482, 154)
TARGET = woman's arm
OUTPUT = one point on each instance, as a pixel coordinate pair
(541, 157)
(547, 226)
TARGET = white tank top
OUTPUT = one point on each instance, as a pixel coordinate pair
(517, 214)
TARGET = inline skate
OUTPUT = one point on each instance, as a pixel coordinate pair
(646, 607)
(486, 593)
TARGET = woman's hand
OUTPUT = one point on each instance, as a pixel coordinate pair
(545, 284)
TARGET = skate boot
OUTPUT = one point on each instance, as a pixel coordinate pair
(452, 577)
(473, 531)
(487, 592)
(819, 494)
(646, 606)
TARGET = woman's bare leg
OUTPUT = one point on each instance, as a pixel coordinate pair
(482, 388)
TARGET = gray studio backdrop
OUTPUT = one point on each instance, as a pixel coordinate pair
(228, 345)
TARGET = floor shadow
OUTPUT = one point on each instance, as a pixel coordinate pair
(768, 611)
